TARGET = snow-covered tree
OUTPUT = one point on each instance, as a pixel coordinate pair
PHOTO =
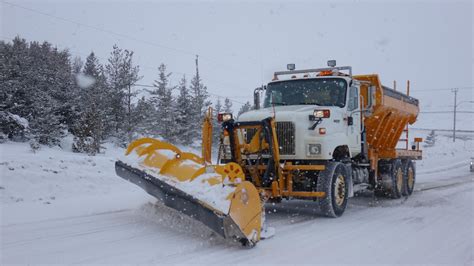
(218, 106)
(215, 124)
(200, 103)
(244, 108)
(227, 105)
(430, 139)
(90, 129)
(35, 80)
(140, 115)
(162, 123)
(121, 76)
(77, 65)
(183, 114)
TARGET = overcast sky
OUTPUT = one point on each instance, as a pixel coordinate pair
(241, 43)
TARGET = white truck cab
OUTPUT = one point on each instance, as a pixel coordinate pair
(317, 117)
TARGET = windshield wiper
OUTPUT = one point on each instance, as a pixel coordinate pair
(275, 103)
(308, 104)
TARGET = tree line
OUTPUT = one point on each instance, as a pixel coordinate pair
(46, 94)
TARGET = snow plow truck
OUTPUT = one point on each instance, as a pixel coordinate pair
(318, 134)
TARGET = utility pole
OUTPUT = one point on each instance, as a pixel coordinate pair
(455, 90)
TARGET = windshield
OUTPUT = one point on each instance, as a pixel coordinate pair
(323, 92)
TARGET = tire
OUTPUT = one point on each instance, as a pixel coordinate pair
(409, 177)
(334, 181)
(247, 244)
(396, 178)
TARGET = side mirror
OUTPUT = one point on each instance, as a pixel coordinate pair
(350, 121)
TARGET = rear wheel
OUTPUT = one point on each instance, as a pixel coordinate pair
(392, 183)
(334, 182)
(397, 183)
(409, 177)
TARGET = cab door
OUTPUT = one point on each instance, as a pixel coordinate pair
(353, 121)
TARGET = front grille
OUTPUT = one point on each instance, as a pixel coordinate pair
(285, 136)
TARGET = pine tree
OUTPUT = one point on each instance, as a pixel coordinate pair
(75, 94)
(430, 139)
(244, 108)
(121, 76)
(77, 65)
(183, 114)
(227, 105)
(140, 115)
(15, 65)
(90, 129)
(218, 106)
(215, 123)
(162, 99)
(200, 103)
(35, 80)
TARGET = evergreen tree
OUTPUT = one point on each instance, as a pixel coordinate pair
(215, 124)
(35, 80)
(77, 65)
(162, 123)
(244, 108)
(90, 129)
(15, 65)
(227, 105)
(121, 76)
(218, 106)
(200, 103)
(183, 113)
(430, 139)
(140, 115)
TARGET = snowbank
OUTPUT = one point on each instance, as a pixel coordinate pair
(53, 174)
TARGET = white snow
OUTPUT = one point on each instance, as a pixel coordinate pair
(59, 207)
(20, 120)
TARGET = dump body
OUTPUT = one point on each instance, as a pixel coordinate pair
(389, 115)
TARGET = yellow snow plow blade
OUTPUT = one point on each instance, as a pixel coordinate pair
(216, 195)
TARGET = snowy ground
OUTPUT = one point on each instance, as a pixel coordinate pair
(61, 207)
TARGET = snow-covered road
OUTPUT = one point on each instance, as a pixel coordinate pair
(61, 207)
(433, 226)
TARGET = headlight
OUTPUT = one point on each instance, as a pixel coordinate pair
(322, 113)
(314, 149)
(224, 117)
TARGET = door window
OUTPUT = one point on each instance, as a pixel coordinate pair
(353, 99)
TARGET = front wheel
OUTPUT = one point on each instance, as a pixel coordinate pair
(334, 181)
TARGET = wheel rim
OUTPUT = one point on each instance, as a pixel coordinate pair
(411, 178)
(340, 189)
(399, 179)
